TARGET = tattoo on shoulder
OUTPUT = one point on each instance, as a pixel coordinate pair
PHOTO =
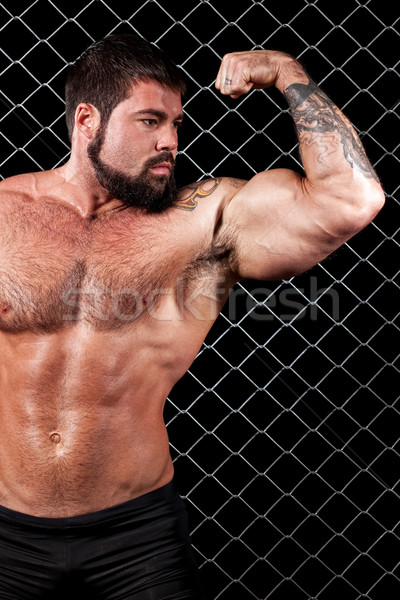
(190, 194)
(319, 116)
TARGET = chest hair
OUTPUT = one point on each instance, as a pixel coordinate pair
(57, 268)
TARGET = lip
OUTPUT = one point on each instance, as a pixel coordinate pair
(162, 168)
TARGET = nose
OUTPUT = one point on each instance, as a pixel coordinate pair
(168, 139)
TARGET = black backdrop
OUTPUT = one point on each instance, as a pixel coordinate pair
(285, 432)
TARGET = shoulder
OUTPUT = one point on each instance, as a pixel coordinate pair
(217, 190)
(18, 187)
(26, 188)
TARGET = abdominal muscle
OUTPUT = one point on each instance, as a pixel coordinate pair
(81, 415)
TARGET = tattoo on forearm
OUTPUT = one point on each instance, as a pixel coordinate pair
(314, 114)
(188, 196)
(297, 93)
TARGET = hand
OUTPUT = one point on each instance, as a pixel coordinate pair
(241, 72)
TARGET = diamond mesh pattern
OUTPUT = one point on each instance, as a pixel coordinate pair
(285, 431)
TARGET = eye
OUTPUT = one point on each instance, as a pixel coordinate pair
(149, 122)
(178, 124)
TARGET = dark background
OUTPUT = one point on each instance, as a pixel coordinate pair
(285, 432)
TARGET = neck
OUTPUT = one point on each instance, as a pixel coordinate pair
(86, 195)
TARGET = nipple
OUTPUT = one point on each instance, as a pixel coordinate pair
(5, 308)
(55, 437)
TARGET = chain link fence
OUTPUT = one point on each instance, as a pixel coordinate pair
(285, 431)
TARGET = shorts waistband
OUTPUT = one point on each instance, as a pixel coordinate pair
(160, 496)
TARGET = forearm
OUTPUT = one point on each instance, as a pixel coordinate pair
(330, 147)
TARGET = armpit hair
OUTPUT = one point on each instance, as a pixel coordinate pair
(217, 260)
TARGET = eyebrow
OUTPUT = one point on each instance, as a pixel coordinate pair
(157, 113)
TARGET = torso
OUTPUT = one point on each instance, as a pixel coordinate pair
(98, 319)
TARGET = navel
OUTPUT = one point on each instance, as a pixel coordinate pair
(55, 437)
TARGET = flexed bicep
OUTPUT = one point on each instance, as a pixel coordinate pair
(278, 229)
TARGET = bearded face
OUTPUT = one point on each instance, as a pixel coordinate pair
(147, 191)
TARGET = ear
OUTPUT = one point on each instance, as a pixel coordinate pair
(87, 119)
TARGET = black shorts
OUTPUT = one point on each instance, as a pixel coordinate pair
(136, 550)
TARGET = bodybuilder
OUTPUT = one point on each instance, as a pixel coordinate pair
(110, 280)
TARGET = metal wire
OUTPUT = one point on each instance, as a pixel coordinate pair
(285, 430)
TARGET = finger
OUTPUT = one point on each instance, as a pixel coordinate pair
(219, 79)
(235, 76)
(224, 80)
(240, 80)
(227, 85)
(243, 90)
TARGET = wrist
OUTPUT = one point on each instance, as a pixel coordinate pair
(290, 71)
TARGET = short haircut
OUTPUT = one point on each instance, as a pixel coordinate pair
(104, 74)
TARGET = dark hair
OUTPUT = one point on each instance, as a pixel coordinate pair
(104, 73)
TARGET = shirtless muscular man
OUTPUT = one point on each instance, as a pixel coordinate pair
(110, 279)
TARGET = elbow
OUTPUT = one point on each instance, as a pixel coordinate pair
(370, 204)
(378, 200)
(358, 212)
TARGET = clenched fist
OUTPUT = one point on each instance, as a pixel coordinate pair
(241, 72)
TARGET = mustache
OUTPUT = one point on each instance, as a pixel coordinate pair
(163, 157)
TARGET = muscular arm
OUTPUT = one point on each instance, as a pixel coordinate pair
(286, 223)
(319, 122)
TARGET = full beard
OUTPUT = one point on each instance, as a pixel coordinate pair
(151, 193)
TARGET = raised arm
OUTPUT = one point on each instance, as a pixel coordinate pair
(284, 223)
